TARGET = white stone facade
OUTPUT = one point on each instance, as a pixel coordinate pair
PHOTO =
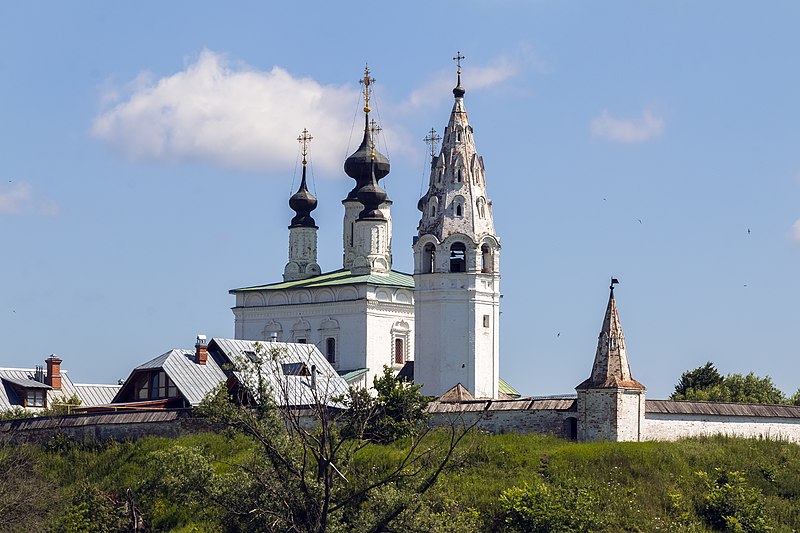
(371, 325)
(659, 426)
(302, 254)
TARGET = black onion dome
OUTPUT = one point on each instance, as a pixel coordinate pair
(303, 202)
(372, 196)
(359, 165)
(459, 91)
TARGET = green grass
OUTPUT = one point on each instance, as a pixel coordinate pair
(651, 486)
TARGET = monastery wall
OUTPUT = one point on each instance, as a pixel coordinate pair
(556, 417)
(664, 426)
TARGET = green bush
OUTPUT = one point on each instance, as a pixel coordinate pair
(730, 504)
(541, 508)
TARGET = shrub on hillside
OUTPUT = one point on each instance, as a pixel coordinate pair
(730, 504)
(541, 508)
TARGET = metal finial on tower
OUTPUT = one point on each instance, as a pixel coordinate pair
(432, 140)
(458, 92)
(305, 140)
(366, 81)
(614, 281)
(458, 59)
(374, 130)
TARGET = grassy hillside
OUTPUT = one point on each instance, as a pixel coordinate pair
(497, 482)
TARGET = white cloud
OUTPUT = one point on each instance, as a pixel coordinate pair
(796, 231)
(474, 78)
(623, 130)
(230, 115)
(18, 198)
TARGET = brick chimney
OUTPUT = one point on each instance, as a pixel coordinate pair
(53, 377)
(201, 350)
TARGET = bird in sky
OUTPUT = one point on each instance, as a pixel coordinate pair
(559, 334)
(640, 220)
(748, 231)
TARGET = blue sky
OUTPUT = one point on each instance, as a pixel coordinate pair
(148, 151)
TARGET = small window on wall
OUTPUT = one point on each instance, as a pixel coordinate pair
(301, 341)
(486, 321)
(330, 349)
(35, 398)
(399, 352)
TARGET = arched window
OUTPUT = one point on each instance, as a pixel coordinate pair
(428, 258)
(459, 210)
(330, 349)
(433, 210)
(458, 175)
(458, 257)
(486, 259)
(399, 351)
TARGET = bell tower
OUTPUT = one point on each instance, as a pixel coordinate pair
(303, 230)
(456, 267)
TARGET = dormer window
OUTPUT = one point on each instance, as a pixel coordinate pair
(35, 397)
(155, 385)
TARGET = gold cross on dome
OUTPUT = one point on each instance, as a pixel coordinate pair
(432, 140)
(458, 59)
(305, 140)
(374, 130)
(366, 81)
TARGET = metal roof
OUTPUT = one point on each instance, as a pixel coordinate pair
(24, 378)
(93, 394)
(193, 380)
(26, 383)
(290, 390)
(505, 388)
(335, 278)
(352, 375)
(721, 409)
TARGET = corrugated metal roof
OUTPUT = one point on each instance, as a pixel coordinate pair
(721, 409)
(337, 277)
(24, 376)
(94, 394)
(26, 383)
(352, 375)
(193, 380)
(290, 390)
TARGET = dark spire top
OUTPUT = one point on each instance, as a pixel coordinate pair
(371, 194)
(359, 165)
(303, 202)
(611, 369)
(459, 91)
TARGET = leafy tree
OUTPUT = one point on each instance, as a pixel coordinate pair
(303, 476)
(700, 378)
(397, 410)
(794, 399)
(705, 383)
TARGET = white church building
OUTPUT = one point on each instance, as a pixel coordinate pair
(364, 316)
